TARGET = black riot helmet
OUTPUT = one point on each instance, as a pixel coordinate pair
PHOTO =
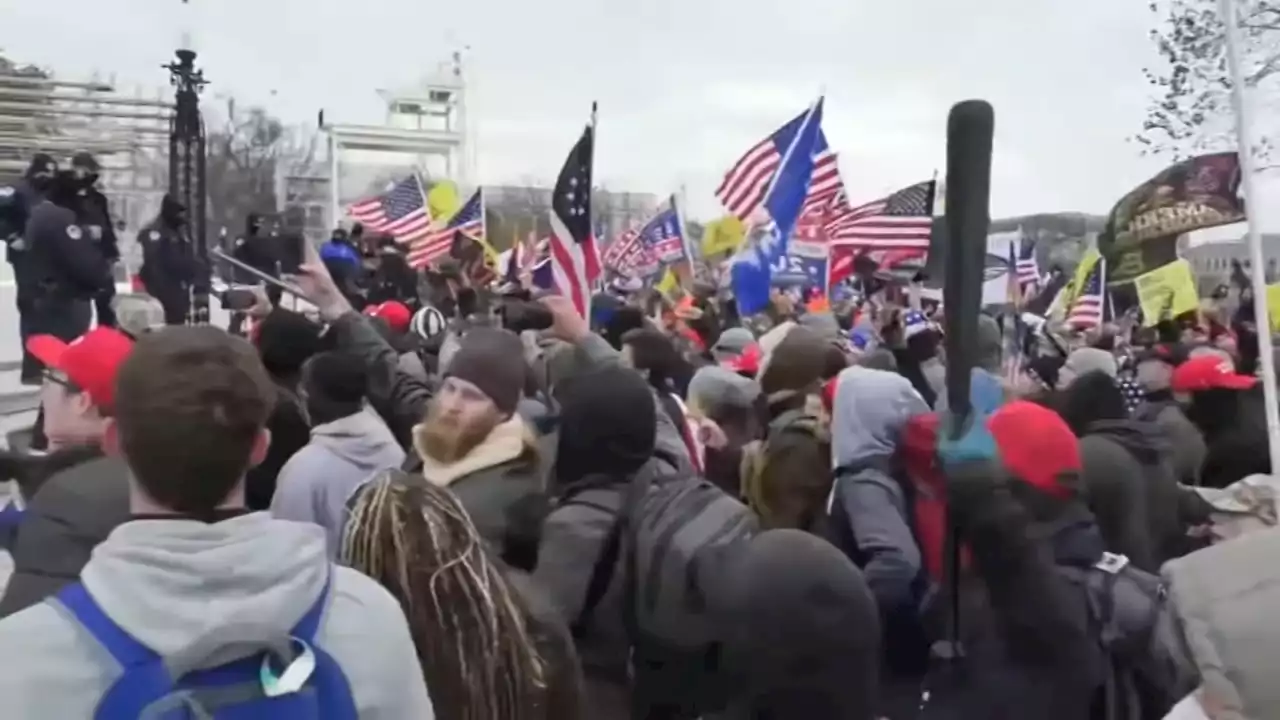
(63, 189)
(172, 212)
(40, 173)
(86, 168)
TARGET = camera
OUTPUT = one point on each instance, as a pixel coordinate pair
(519, 312)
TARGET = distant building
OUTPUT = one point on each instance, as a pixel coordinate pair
(519, 209)
(304, 201)
(1212, 261)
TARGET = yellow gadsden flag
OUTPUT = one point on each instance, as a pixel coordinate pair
(1167, 292)
(722, 236)
(443, 200)
(1090, 258)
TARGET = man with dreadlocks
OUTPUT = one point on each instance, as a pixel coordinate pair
(488, 650)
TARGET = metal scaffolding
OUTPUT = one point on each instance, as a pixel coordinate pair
(128, 135)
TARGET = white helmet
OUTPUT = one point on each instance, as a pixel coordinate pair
(427, 323)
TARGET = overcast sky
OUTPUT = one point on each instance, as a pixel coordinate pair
(684, 86)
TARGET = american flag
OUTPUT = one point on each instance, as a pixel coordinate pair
(401, 212)
(469, 220)
(901, 221)
(1087, 309)
(615, 252)
(629, 255)
(743, 189)
(1027, 269)
(575, 261)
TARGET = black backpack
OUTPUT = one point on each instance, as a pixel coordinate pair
(1124, 606)
(673, 537)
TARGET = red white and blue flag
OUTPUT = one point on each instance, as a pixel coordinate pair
(629, 255)
(742, 192)
(662, 234)
(400, 212)
(1027, 269)
(1087, 308)
(469, 220)
(575, 260)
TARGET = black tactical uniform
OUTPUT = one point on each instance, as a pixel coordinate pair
(16, 203)
(259, 249)
(94, 215)
(168, 261)
(65, 268)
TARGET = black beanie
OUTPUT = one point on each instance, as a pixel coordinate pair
(286, 340)
(608, 425)
(492, 360)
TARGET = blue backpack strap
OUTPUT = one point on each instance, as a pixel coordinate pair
(127, 651)
(329, 681)
(309, 625)
(146, 679)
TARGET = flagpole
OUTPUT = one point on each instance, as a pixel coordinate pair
(791, 146)
(677, 204)
(1244, 141)
(594, 144)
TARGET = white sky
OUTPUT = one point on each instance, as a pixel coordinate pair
(684, 86)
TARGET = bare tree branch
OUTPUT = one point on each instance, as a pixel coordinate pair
(1191, 111)
(245, 148)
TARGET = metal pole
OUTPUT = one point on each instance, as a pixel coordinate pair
(1244, 140)
(335, 198)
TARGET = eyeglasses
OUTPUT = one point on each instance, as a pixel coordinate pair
(60, 378)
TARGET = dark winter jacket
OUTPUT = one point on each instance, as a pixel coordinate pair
(1023, 627)
(1131, 488)
(72, 512)
(1234, 424)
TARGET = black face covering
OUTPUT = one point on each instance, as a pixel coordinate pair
(172, 212)
(63, 189)
(1213, 410)
(40, 183)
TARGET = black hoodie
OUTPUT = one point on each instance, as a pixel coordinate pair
(1115, 454)
(1131, 488)
(1234, 425)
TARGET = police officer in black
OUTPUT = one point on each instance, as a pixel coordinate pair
(259, 248)
(16, 203)
(64, 270)
(169, 265)
(94, 215)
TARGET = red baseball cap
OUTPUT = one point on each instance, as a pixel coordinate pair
(395, 314)
(1036, 445)
(745, 363)
(90, 362)
(1208, 372)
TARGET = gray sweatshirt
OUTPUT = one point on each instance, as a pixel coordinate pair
(316, 483)
(169, 582)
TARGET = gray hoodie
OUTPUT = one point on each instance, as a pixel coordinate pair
(316, 483)
(169, 582)
(868, 507)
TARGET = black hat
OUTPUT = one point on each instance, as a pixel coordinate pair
(336, 376)
(85, 161)
(42, 164)
(492, 360)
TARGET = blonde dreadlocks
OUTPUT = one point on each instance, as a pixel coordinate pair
(468, 625)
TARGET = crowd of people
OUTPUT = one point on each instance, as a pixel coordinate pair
(487, 507)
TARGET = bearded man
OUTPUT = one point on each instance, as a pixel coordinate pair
(475, 444)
